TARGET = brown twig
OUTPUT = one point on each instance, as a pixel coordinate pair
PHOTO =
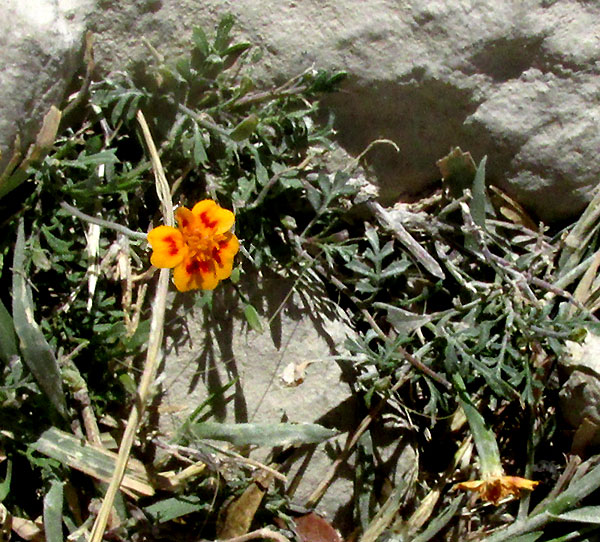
(521, 279)
(351, 441)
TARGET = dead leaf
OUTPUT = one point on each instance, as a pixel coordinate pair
(458, 171)
(14, 161)
(240, 512)
(391, 221)
(294, 373)
(15, 174)
(28, 530)
(172, 481)
(5, 524)
(510, 209)
(46, 136)
(95, 462)
(313, 528)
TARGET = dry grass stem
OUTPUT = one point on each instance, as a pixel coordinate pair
(152, 354)
(162, 185)
(351, 441)
(252, 463)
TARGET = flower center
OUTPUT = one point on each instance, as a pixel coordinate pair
(203, 247)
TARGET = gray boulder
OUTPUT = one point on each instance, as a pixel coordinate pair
(580, 394)
(516, 80)
(40, 44)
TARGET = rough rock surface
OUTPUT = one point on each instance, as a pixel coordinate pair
(40, 42)
(580, 394)
(211, 353)
(516, 80)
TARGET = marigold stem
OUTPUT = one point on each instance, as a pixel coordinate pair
(485, 440)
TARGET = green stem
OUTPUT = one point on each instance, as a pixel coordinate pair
(485, 440)
(528, 473)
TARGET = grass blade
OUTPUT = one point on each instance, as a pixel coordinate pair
(175, 507)
(5, 484)
(8, 341)
(36, 351)
(479, 197)
(93, 461)
(439, 522)
(586, 514)
(529, 537)
(253, 319)
(53, 504)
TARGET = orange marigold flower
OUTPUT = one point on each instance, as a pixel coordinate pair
(200, 250)
(495, 488)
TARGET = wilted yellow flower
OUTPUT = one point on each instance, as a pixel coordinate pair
(200, 250)
(495, 488)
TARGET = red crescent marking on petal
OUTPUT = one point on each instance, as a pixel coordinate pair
(216, 255)
(172, 242)
(207, 221)
(197, 266)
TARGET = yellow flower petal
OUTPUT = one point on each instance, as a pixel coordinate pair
(168, 247)
(516, 482)
(496, 488)
(213, 217)
(195, 274)
(224, 253)
(187, 221)
(201, 250)
(471, 485)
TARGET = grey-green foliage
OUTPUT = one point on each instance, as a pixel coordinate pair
(370, 266)
(459, 287)
(8, 343)
(53, 512)
(174, 507)
(225, 137)
(261, 434)
(36, 352)
(492, 320)
(488, 318)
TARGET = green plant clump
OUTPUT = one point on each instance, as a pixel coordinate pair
(460, 308)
